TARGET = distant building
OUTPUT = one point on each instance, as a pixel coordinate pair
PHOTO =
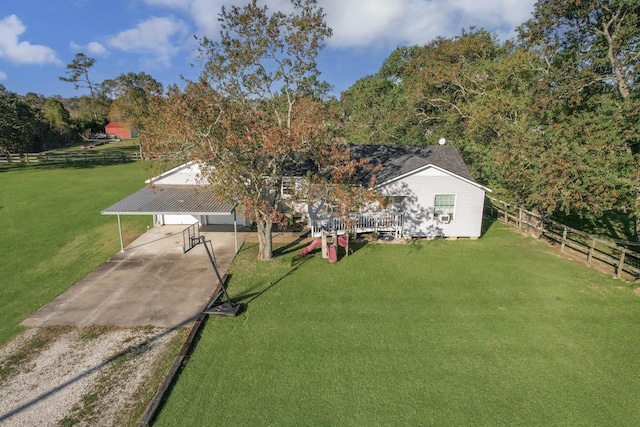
(120, 130)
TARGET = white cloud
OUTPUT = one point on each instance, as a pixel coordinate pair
(364, 23)
(95, 48)
(3, 76)
(22, 52)
(154, 36)
(92, 48)
(399, 22)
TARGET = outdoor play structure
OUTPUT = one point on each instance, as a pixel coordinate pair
(329, 242)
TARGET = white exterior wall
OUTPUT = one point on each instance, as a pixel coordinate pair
(178, 219)
(183, 175)
(420, 190)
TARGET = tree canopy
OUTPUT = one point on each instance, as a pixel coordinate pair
(256, 110)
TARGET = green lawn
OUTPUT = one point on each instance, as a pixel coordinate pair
(53, 233)
(499, 331)
(127, 145)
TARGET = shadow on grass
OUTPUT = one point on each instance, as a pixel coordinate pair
(252, 294)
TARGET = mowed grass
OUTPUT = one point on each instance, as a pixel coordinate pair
(53, 233)
(499, 331)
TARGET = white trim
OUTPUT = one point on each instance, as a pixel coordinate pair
(420, 169)
(170, 172)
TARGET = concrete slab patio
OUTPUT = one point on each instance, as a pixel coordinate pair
(151, 283)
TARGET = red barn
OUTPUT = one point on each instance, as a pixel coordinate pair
(120, 130)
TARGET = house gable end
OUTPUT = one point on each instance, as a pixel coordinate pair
(432, 170)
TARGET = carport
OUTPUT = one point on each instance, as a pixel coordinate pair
(172, 200)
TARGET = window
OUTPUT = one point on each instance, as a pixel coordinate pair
(398, 203)
(444, 204)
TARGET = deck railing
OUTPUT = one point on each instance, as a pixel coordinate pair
(388, 222)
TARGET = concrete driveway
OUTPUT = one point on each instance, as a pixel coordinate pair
(151, 283)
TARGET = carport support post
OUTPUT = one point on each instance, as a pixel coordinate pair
(235, 228)
(120, 232)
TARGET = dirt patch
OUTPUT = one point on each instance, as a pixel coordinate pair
(80, 376)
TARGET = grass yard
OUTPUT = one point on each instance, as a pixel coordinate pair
(499, 331)
(127, 145)
(53, 233)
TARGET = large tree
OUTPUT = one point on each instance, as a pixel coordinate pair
(587, 42)
(132, 94)
(17, 121)
(256, 109)
(377, 109)
(589, 96)
(78, 73)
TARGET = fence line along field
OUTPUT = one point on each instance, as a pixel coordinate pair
(617, 257)
(87, 156)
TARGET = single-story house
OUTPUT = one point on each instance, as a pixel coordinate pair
(120, 130)
(431, 190)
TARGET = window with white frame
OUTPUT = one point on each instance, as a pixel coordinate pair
(444, 206)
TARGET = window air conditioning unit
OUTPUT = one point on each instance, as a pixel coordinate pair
(444, 218)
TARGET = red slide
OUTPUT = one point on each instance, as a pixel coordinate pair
(342, 241)
(333, 254)
(311, 246)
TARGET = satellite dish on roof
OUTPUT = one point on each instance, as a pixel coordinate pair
(442, 141)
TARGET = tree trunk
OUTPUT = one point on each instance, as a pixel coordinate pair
(265, 250)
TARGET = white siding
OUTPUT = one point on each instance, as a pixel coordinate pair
(178, 219)
(419, 191)
(224, 220)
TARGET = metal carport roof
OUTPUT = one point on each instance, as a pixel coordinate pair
(170, 200)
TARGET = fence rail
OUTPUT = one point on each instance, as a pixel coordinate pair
(617, 257)
(360, 223)
(64, 158)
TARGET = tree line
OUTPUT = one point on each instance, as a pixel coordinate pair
(549, 120)
(34, 123)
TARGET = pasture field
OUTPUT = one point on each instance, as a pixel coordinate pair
(53, 233)
(498, 331)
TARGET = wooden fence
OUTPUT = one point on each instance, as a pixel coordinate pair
(69, 158)
(617, 257)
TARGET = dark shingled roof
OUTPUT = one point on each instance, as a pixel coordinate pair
(170, 200)
(395, 161)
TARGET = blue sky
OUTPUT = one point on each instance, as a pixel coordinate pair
(38, 38)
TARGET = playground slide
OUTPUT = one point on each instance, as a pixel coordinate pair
(311, 246)
(333, 254)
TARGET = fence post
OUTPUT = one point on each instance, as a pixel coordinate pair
(621, 263)
(122, 152)
(564, 239)
(506, 214)
(520, 217)
(26, 156)
(593, 246)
